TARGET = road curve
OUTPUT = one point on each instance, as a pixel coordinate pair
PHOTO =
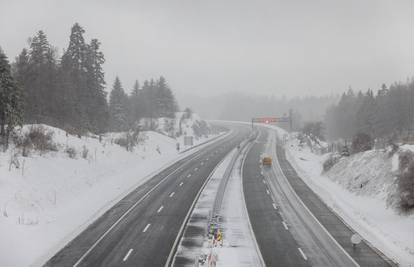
(140, 230)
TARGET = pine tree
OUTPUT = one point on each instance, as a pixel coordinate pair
(11, 113)
(166, 104)
(118, 110)
(36, 71)
(74, 79)
(135, 105)
(95, 100)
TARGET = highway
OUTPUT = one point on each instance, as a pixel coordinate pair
(293, 227)
(277, 245)
(144, 227)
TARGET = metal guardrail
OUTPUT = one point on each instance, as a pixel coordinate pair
(225, 179)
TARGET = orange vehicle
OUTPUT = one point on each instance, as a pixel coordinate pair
(267, 161)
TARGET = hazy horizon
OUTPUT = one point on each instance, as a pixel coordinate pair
(209, 48)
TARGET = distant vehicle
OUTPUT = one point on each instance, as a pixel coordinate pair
(267, 161)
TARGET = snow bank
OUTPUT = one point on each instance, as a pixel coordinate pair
(51, 197)
(362, 190)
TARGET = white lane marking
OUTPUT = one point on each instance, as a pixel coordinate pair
(146, 228)
(264, 181)
(189, 175)
(274, 206)
(303, 254)
(160, 209)
(127, 255)
(267, 192)
(285, 225)
(172, 194)
(196, 155)
(196, 169)
(181, 184)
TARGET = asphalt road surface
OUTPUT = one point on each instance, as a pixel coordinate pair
(277, 245)
(293, 227)
(142, 229)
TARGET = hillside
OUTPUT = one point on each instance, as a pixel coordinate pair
(50, 195)
(362, 190)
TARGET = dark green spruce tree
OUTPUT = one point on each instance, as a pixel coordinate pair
(11, 112)
(94, 101)
(118, 107)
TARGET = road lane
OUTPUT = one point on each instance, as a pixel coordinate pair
(152, 247)
(277, 245)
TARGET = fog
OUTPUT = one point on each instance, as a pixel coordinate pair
(208, 48)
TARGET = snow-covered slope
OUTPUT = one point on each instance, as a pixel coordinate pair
(362, 190)
(51, 196)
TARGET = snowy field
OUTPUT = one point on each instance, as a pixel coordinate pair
(362, 190)
(50, 198)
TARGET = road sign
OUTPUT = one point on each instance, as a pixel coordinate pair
(265, 120)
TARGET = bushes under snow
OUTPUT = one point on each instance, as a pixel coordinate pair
(361, 142)
(37, 138)
(406, 180)
(330, 162)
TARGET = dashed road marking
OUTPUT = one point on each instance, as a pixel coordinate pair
(181, 184)
(189, 175)
(267, 192)
(274, 206)
(195, 169)
(303, 254)
(127, 255)
(264, 181)
(285, 225)
(172, 194)
(160, 209)
(146, 228)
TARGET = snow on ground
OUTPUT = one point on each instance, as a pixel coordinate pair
(361, 189)
(51, 197)
(240, 248)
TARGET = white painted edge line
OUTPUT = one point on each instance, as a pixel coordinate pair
(127, 255)
(285, 225)
(146, 228)
(196, 153)
(171, 258)
(312, 215)
(172, 194)
(160, 209)
(121, 218)
(303, 254)
(259, 253)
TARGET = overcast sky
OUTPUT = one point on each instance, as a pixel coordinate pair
(212, 46)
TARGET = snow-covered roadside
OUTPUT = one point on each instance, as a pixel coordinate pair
(200, 216)
(240, 248)
(50, 198)
(358, 189)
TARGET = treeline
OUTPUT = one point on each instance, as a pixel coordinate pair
(69, 91)
(387, 114)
